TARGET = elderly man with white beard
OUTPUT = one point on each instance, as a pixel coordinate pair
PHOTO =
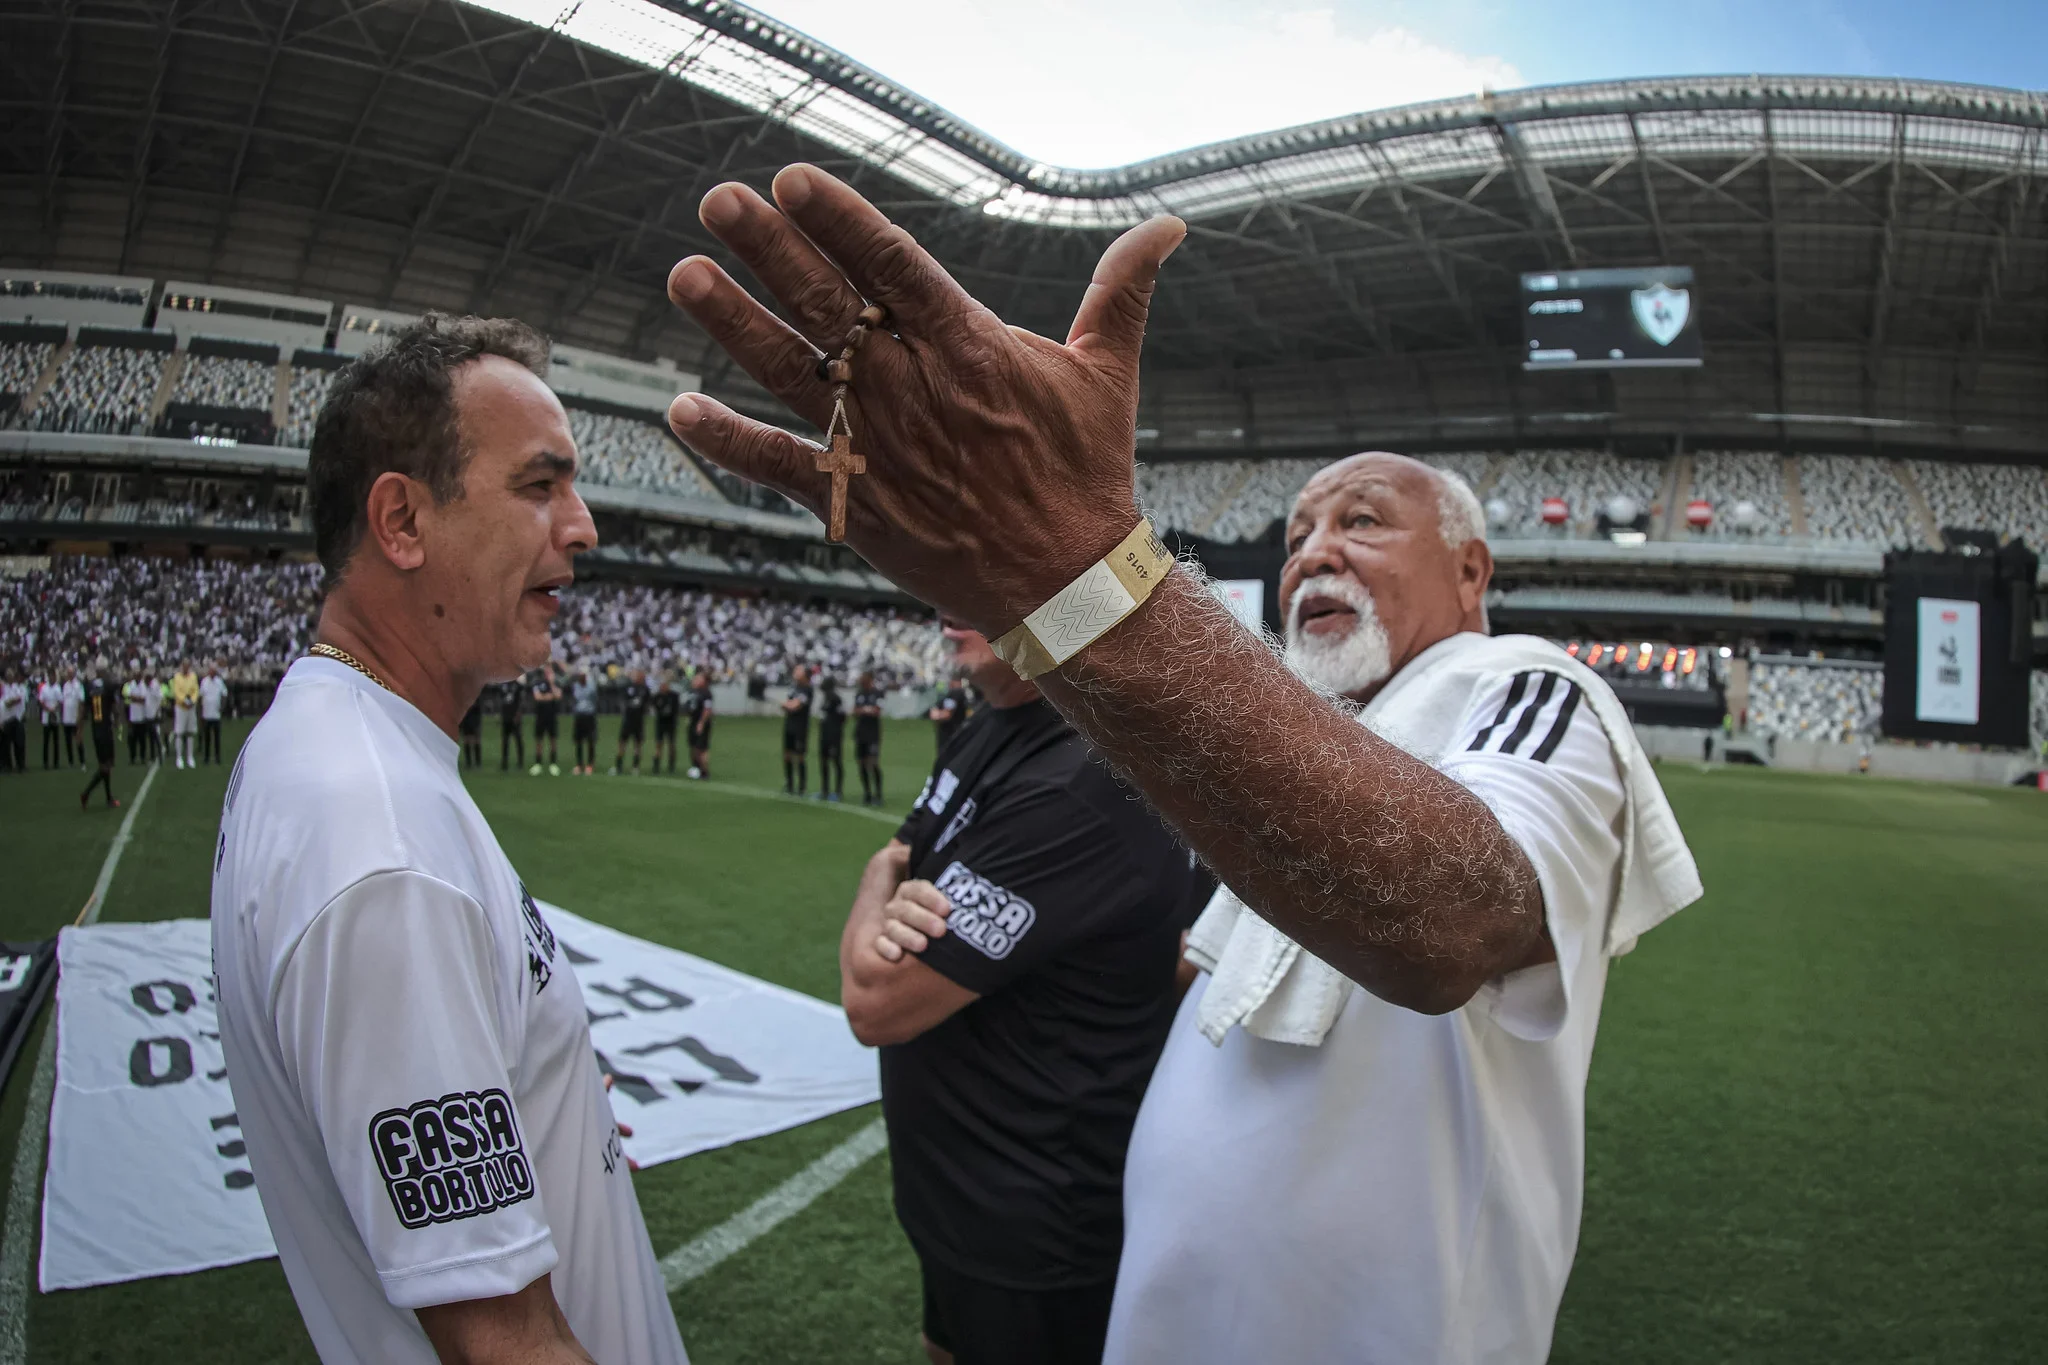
(1365, 1140)
(1318, 1174)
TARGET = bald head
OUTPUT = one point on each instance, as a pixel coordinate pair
(1385, 556)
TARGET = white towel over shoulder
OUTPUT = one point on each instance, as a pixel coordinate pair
(1261, 979)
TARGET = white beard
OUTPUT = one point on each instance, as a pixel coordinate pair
(1344, 664)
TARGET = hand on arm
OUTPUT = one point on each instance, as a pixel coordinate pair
(526, 1328)
(1376, 863)
(889, 999)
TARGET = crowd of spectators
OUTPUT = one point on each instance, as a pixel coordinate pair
(255, 617)
(21, 364)
(629, 453)
(1728, 480)
(220, 381)
(1855, 497)
(308, 391)
(2011, 499)
(1836, 702)
(606, 625)
(105, 389)
(1587, 480)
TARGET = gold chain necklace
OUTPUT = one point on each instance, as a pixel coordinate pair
(342, 656)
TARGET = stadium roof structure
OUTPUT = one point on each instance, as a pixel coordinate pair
(1871, 255)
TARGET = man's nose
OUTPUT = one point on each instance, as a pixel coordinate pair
(1322, 553)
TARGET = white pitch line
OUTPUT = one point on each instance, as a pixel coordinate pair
(35, 1125)
(706, 1252)
(735, 789)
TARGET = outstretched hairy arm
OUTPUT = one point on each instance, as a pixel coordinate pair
(1389, 871)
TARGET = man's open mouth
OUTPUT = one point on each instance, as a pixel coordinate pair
(1328, 612)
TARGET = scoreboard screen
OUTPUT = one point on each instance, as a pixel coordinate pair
(1605, 319)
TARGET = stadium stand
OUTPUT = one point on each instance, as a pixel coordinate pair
(1727, 479)
(2009, 499)
(308, 391)
(1838, 702)
(257, 616)
(1184, 496)
(1855, 498)
(632, 453)
(103, 386)
(226, 382)
(1587, 480)
(21, 364)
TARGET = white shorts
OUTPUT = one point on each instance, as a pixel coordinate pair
(185, 721)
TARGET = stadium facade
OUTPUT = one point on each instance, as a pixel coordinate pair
(1871, 260)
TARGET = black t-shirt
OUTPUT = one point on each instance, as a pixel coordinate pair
(634, 698)
(954, 704)
(99, 708)
(832, 716)
(867, 727)
(666, 703)
(547, 696)
(800, 718)
(697, 706)
(510, 699)
(1010, 1119)
(473, 719)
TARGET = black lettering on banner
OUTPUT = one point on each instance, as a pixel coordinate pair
(640, 1088)
(145, 997)
(596, 1018)
(985, 916)
(576, 959)
(452, 1158)
(646, 997)
(724, 1067)
(142, 1070)
(233, 1148)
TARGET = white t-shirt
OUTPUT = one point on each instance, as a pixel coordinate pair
(13, 701)
(408, 1048)
(50, 697)
(138, 705)
(1410, 1190)
(73, 695)
(212, 692)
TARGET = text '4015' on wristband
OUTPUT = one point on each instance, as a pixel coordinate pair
(1084, 611)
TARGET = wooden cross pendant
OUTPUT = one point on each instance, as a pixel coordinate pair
(839, 461)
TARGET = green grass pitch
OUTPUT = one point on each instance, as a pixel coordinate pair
(1815, 1126)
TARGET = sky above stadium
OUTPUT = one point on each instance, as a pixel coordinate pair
(1103, 82)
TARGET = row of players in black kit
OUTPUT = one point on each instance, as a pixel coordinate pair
(831, 709)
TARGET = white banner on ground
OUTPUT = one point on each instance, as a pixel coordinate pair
(147, 1171)
(1950, 646)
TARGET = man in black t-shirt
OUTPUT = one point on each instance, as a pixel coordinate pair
(667, 704)
(867, 739)
(547, 721)
(632, 720)
(831, 741)
(697, 722)
(1019, 1024)
(511, 723)
(102, 698)
(796, 733)
(949, 712)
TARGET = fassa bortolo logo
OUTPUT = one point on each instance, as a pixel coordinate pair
(452, 1158)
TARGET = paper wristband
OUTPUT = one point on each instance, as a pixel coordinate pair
(1084, 611)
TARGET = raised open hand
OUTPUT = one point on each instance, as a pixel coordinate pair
(1000, 463)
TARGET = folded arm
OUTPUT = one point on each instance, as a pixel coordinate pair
(889, 999)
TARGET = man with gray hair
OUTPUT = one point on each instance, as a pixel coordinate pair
(1381, 1156)
(1370, 1182)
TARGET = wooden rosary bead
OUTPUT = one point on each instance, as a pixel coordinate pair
(874, 315)
(854, 338)
(839, 371)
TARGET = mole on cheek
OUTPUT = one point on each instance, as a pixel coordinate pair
(440, 610)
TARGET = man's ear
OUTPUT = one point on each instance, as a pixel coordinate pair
(394, 506)
(1475, 572)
